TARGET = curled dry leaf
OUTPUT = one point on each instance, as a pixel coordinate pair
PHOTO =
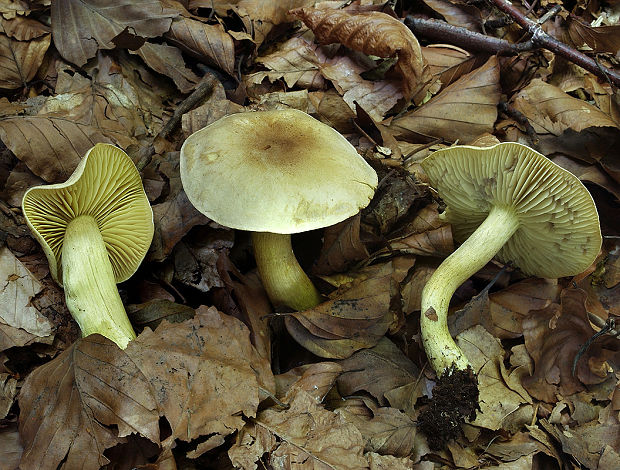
(462, 111)
(304, 436)
(8, 392)
(437, 242)
(202, 376)
(82, 27)
(354, 319)
(597, 38)
(448, 63)
(373, 33)
(553, 336)
(20, 322)
(20, 59)
(458, 13)
(207, 42)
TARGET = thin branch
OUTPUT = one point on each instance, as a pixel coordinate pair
(542, 39)
(462, 37)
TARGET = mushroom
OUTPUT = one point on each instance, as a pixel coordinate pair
(276, 173)
(95, 229)
(510, 202)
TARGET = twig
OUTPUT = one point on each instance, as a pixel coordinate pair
(542, 39)
(470, 40)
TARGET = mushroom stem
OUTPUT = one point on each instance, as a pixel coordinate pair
(90, 288)
(470, 257)
(284, 280)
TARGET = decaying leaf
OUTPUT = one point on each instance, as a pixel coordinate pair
(81, 27)
(201, 375)
(462, 111)
(373, 33)
(20, 322)
(437, 242)
(341, 247)
(315, 379)
(10, 448)
(354, 319)
(208, 42)
(303, 436)
(20, 59)
(168, 61)
(448, 63)
(553, 336)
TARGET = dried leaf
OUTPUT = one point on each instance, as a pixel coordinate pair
(304, 436)
(341, 247)
(437, 242)
(315, 379)
(597, 38)
(377, 370)
(551, 111)
(373, 33)
(448, 63)
(462, 111)
(20, 323)
(24, 29)
(355, 319)
(20, 60)
(295, 61)
(200, 375)
(552, 337)
(8, 392)
(497, 401)
(208, 42)
(168, 61)
(386, 430)
(81, 27)
(458, 13)
(10, 448)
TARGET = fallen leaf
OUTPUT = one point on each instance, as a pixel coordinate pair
(448, 63)
(437, 242)
(201, 376)
(8, 392)
(360, 31)
(207, 42)
(10, 448)
(295, 61)
(315, 379)
(386, 430)
(24, 28)
(497, 401)
(20, 59)
(81, 27)
(597, 38)
(462, 111)
(341, 247)
(459, 14)
(552, 337)
(168, 61)
(20, 323)
(303, 436)
(377, 370)
(354, 319)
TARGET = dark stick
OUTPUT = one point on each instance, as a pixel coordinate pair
(470, 40)
(542, 39)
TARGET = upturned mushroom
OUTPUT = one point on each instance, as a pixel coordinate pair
(276, 173)
(95, 229)
(510, 202)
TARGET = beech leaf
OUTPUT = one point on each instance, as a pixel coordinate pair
(373, 33)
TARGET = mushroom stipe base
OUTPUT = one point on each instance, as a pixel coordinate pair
(455, 400)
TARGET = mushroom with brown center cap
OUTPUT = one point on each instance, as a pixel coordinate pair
(510, 202)
(276, 173)
(95, 229)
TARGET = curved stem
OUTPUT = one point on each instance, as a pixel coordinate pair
(284, 280)
(90, 288)
(470, 257)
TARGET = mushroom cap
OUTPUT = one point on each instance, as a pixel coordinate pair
(274, 171)
(559, 232)
(107, 186)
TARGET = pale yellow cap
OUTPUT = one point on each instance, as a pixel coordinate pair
(559, 233)
(274, 171)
